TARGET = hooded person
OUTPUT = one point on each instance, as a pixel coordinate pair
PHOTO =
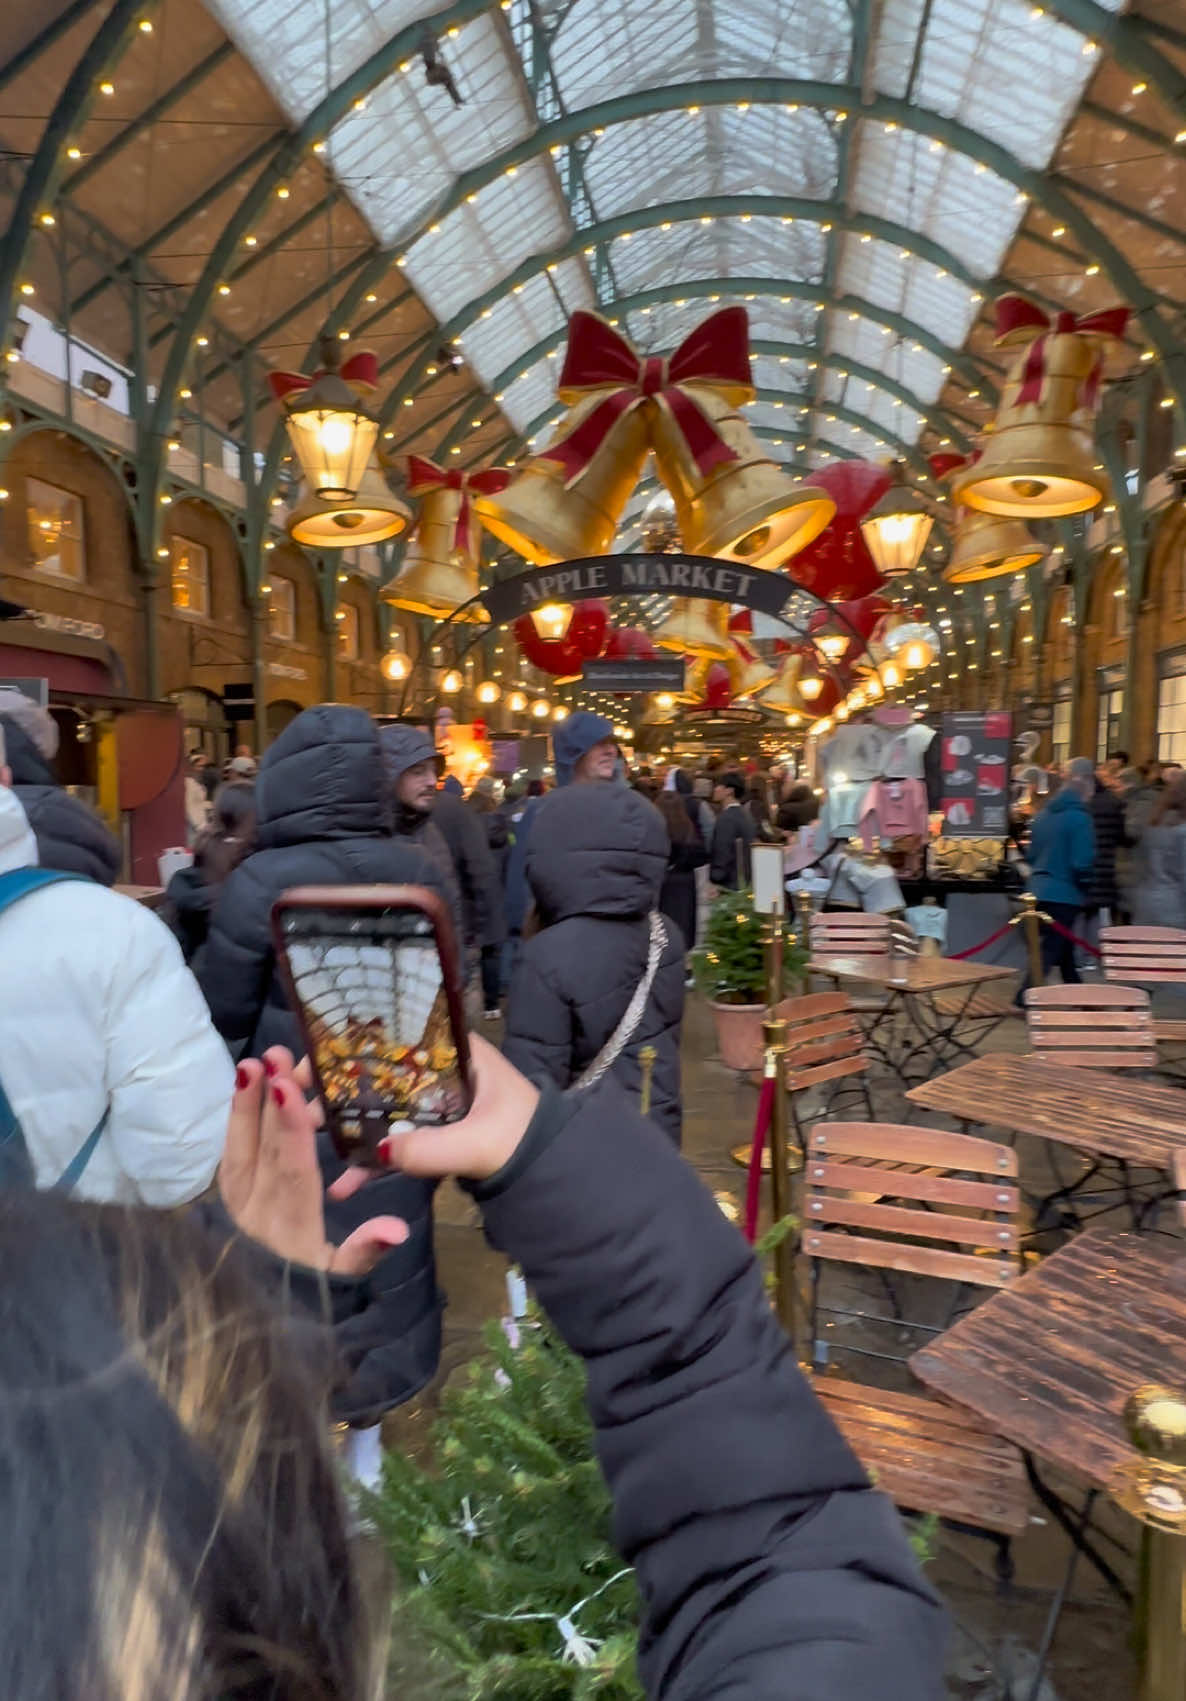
(1062, 859)
(72, 838)
(324, 818)
(595, 866)
(583, 749)
(410, 776)
(108, 1063)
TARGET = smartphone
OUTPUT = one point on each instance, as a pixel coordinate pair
(371, 974)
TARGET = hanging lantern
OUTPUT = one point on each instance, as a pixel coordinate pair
(541, 708)
(811, 685)
(373, 515)
(517, 702)
(560, 712)
(439, 575)
(1039, 458)
(452, 682)
(332, 433)
(552, 619)
(897, 527)
(912, 642)
(395, 666)
(585, 629)
(488, 692)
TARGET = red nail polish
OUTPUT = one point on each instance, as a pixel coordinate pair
(278, 1095)
(270, 1068)
(241, 1078)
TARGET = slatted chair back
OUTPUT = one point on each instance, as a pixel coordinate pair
(824, 1040)
(921, 1201)
(1178, 1171)
(1137, 955)
(1091, 1027)
(852, 933)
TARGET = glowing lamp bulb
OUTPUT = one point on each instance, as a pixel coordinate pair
(552, 620)
(810, 687)
(560, 713)
(395, 666)
(541, 709)
(516, 702)
(488, 692)
(452, 682)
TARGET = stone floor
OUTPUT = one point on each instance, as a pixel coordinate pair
(995, 1633)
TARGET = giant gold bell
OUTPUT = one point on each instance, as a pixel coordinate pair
(989, 545)
(437, 576)
(543, 520)
(1039, 459)
(371, 516)
(747, 509)
(781, 696)
(697, 628)
(755, 677)
(696, 676)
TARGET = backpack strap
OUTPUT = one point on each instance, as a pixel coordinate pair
(16, 1168)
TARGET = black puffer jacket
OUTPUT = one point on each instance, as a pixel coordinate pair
(324, 819)
(477, 871)
(72, 838)
(595, 864)
(1106, 808)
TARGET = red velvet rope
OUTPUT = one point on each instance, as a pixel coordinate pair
(753, 1185)
(958, 956)
(1074, 937)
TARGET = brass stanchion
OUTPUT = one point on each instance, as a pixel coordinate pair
(646, 1061)
(792, 1161)
(804, 910)
(1030, 918)
(1153, 1489)
(774, 1032)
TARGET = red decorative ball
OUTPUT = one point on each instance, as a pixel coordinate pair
(718, 686)
(630, 642)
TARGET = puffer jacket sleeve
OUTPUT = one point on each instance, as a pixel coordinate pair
(538, 1038)
(169, 1077)
(237, 964)
(767, 1566)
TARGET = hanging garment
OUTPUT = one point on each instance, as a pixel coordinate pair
(894, 809)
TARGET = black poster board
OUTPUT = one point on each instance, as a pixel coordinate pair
(629, 673)
(974, 760)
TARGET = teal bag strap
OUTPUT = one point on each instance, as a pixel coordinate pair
(14, 885)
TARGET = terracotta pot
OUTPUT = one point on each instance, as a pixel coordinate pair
(739, 1034)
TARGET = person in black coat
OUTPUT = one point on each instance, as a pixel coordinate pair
(595, 866)
(1106, 806)
(324, 819)
(72, 838)
(733, 836)
(193, 892)
(686, 853)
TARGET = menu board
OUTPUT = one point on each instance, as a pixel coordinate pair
(974, 762)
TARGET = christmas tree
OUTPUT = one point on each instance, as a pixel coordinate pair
(504, 1549)
(731, 964)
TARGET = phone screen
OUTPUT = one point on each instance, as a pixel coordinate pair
(376, 1010)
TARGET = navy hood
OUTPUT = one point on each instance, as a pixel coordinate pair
(404, 747)
(29, 766)
(323, 779)
(598, 849)
(574, 738)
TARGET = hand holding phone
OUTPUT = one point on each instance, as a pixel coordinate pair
(372, 980)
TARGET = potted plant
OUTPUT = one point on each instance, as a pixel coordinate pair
(730, 969)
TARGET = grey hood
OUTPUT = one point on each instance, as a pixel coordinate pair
(596, 849)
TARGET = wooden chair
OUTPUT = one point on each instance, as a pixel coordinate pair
(1140, 956)
(1091, 1027)
(852, 933)
(950, 1212)
(825, 1046)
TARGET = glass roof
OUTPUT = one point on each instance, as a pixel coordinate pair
(1001, 70)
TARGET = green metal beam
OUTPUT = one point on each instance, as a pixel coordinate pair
(1038, 186)
(1129, 42)
(318, 124)
(45, 168)
(154, 110)
(43, 40)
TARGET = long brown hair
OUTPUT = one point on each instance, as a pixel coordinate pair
(675, 817)
(231, 835)
(1170, 808)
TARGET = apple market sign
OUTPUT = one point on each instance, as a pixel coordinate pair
(703, 576)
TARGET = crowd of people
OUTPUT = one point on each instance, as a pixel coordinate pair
(196, 1285)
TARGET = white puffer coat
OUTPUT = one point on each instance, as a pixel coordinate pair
(97, 1008)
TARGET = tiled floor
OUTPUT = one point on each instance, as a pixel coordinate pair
(1091, 1661)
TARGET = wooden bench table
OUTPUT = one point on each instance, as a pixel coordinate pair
(928, 1001)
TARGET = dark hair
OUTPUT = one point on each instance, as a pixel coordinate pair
(798, 808)
(734, 782)
(1120, 756)
(165, 1473)
(1170, 808)
(535, 788)
(675, 817)
(231, 835)
(682, 783)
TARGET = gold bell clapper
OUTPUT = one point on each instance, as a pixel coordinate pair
(696, 628)
(440, 568)
(373, 515)
(550, 512)
(987, 546)
(1039, 458)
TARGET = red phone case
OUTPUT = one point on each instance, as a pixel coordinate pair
(355, 900)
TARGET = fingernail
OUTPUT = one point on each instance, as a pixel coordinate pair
(383, 1151)
(270, 1068)
(278, 1095)
(241, 1078)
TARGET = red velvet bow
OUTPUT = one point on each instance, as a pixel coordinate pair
(361, 372)
(1017, 317)
(425, 476)
(715, 354)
